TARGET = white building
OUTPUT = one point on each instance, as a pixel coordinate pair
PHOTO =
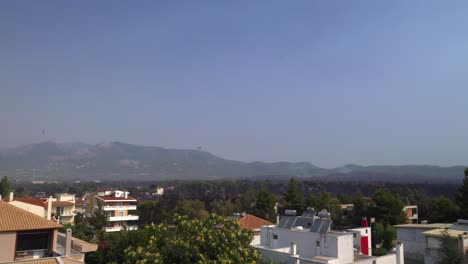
(423, 241)
(308, 239)
(116, 205)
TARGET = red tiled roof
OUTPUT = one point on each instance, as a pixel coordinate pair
(252, 222)
(79, 202)
(29, 200)
(113, 198)
(62, 203)
(13, 218)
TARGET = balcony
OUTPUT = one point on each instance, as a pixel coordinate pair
(120, 228)
(119, 207)
(30, 254)
(68, 214)
(124, 218)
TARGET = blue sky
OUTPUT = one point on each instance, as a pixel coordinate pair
(329, 82)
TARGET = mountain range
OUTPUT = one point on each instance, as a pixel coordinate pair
(52, 161)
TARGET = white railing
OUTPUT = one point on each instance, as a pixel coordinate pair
(119, 207)
(124, 218)
(120, 228)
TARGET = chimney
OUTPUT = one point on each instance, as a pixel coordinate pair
(399, 253)
(11, 196)
(49, 208)
(126, 194)
(364, 222)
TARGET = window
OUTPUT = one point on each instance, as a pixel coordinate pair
(275, 236)
(59, 210)
(354, 235)
(366, 231)
(121, 213)
(317, 243)
(32, 241)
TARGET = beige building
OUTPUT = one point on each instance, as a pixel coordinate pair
(116, 205)
(28, 238)
(63, 208)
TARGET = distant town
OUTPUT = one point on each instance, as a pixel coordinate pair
(249, 221)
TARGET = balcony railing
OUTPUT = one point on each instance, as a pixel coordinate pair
(30, 254)
(119, 207)
(120, 228)
(124, 218)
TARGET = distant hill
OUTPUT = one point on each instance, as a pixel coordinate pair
(120, 161)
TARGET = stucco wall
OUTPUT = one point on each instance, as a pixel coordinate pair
(7, 246)
(310, 244)
(35, 209)
(414, 241)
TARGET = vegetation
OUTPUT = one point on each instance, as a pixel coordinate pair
(4, 187)
(294, 199)
(449, 251)
(462, 197)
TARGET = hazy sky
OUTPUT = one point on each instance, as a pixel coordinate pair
(329, 82)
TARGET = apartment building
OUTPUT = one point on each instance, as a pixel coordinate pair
(28, 238)
(63, 208)
(117, 204)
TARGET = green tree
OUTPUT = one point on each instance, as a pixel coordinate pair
(449, 251)
(389, 235)
(193, 209)
(462, 197)
(443, 211)
(324, 200)
(223, 207)
(4, 187)
(388, 208)
(293, 197)
(265, 206)
(213, 240)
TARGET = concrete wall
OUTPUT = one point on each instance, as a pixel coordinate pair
(387, 259)
(7, 246)
(277, 257)
(65, 197)
(35, 209)
(310, 244)
(414, 241)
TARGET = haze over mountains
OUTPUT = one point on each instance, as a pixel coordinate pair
(120, 161)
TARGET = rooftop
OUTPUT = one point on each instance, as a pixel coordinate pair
(13, 218)
(252, 222)
(435, 225)
(440, 233)
(62, 203)
(113, 198)
(29, 200)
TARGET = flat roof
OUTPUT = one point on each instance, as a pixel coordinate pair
(116, 199)
(440, 232)
(433, 226)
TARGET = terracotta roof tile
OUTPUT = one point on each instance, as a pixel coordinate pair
(38, 261)
(13, 218)
(62, 203)
(29, 200)
(79, 202)
(252, 222)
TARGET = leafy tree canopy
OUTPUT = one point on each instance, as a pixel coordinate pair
(388, 208)
(213, 240)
